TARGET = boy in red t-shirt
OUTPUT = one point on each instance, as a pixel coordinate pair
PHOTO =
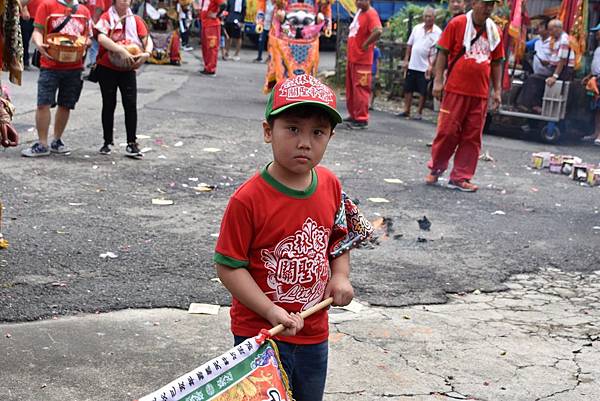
(274, 246)
(472, 46)
(363, 33)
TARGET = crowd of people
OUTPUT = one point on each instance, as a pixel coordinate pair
(460, 58)
(282, 260)
(123, 46)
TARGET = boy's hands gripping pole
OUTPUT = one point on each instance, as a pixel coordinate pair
(284, 329)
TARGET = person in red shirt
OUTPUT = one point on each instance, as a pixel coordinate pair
(62, 77)
(471, 46)
(274, 251)
(211, 33)
(28, 10)
(96, 8)
(115, 69)
(364, 32)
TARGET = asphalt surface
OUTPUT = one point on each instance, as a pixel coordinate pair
(63, 212)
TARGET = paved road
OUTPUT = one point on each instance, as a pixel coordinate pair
(537, 339)
(63, 212)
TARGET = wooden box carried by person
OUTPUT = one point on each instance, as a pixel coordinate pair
(65, 48)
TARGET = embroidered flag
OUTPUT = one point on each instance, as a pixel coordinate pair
(250, 371)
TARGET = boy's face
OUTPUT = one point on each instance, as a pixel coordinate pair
(298, 143)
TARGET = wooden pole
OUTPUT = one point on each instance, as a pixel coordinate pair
(323, 304)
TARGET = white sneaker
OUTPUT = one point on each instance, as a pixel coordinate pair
(36, 150)
(58, 146)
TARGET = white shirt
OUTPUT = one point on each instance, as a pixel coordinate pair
(542, 53)
(423, 47)
(596, 62)
(559, 49)
(270, 7)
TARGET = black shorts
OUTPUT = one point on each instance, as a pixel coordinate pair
(415, 82)
(67, 83)
(233, 30)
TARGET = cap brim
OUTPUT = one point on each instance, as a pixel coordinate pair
(596, 28)
(333, 113)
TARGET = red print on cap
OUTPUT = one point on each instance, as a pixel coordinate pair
(303, 88)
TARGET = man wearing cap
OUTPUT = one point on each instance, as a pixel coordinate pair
(364, 32)
(275, 248)
(211, 33)
(471, 48)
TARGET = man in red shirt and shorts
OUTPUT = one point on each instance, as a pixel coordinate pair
(365, 30)
(59, 82)
(211, 33)
(471, 47)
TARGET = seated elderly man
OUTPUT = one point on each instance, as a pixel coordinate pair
(550, 64)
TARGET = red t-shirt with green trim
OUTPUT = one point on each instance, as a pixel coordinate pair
(470, 75)
(282, 236)
(49, 15)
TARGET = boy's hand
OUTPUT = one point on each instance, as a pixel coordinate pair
(340, 288)
(293, 322)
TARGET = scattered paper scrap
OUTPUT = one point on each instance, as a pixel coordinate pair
(109, 255)
(211, 150)
(143, 137)
(393, 180)
(215, 235)
(193, 179)
(486, 157)
(498, 213)
(378, 200)
(178, 144)
(162, 156)
(354, 307)
(162, 202)
(204, 309)
(203, 187)
(145, 150)
(216, 279)
(95, 167)
(76, 204)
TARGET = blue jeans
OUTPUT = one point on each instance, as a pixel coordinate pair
(305, 366)
(262, 43)
(92, 53)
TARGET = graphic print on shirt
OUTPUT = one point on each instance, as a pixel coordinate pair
(480, 51)
(75, 27)
(298, 268)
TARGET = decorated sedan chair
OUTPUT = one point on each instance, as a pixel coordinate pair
(294, 37)
(163, 23)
